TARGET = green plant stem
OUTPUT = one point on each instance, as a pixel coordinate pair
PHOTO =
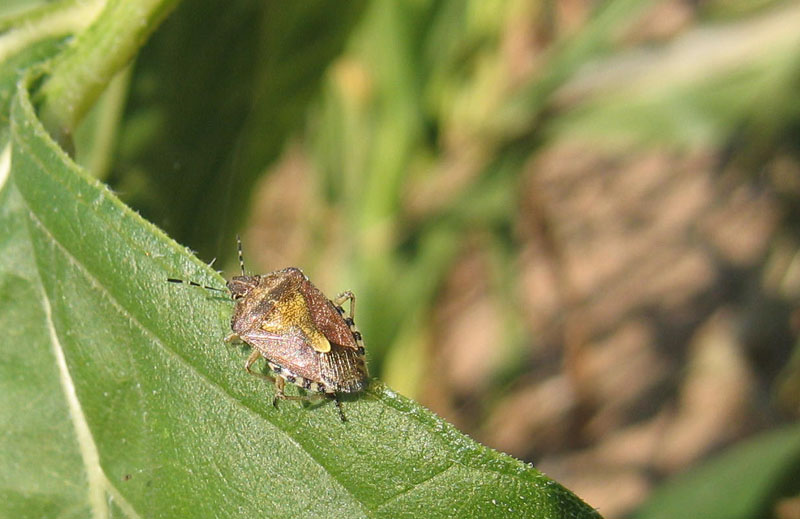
(80, 74)
(46, 21)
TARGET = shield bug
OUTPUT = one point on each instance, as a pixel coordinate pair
(306, 339)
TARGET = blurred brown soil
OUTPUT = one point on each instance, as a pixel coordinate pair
(638, 271)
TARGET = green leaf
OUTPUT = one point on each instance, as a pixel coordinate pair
(741, 483)
(118, 372)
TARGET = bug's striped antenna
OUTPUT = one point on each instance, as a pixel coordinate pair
(241, 256)
(194, 284)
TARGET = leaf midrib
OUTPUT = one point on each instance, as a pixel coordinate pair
(88, 447)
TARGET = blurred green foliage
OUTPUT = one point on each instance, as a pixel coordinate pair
(742, 483)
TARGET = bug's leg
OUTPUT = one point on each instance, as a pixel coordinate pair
(339, 406)
(234, 337)
(254, 356)
(279, 394)
(344, 296)
(280, 384)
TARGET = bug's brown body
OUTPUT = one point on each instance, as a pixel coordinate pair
(304, 336)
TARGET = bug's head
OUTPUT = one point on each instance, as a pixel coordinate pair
(240, 286)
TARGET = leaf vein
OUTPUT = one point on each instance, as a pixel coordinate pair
(96, 479)
(416, 486)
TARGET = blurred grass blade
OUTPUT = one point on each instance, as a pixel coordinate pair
(162, 416)
(741, 483)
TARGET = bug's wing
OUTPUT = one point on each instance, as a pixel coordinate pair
(290, 350)
(270, 338)
(340, 369)
(326, 318)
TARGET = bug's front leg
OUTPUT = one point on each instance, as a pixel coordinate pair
(344, 296)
